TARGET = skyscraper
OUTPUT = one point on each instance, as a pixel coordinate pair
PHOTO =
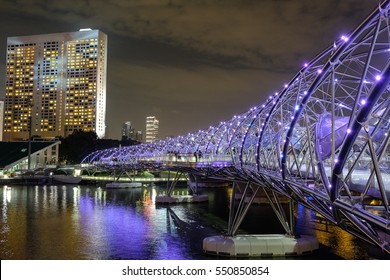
(127, 131)
(151, 133)
(55, 84)
(1, 119)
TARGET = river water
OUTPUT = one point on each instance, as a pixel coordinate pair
(92, 222)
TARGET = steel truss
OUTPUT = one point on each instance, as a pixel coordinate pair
(323, 140)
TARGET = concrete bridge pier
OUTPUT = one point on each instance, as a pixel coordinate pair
(263, 245)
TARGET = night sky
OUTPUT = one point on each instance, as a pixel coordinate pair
(190, 63)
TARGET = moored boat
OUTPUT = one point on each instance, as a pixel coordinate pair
(65, 175)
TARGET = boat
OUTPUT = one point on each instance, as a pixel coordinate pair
(120, 185)
(65, 176)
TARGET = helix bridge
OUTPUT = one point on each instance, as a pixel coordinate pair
(321, 141)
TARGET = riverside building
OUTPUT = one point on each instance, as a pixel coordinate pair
(55, 84)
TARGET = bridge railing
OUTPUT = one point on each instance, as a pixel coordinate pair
(187, 159)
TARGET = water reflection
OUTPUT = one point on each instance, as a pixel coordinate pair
(73, 222)
(338, 241)
(91, 222)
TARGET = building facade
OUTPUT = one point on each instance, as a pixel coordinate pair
(151, 133)
(55, 84)
(14, 155)
(1, 119)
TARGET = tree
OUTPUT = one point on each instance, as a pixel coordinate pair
(77, 146)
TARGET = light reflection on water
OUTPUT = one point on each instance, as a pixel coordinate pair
(88, 222)
(91, 222)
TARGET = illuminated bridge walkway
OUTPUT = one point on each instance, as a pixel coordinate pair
(322, 140)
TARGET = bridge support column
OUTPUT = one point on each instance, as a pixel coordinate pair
(117, 183)
(266, 245)
(236, 216)
(170, 198)
(193, 183)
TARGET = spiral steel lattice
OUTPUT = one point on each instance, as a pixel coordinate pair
(322, 141)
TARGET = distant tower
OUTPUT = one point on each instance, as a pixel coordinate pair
(55, 84)
(127, 131)
(138, 136)
(151, 134)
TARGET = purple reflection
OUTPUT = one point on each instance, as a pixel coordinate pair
(119, 230)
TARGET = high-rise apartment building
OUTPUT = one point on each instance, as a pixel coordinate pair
(55, 84)
(1, 119)
(151, 133)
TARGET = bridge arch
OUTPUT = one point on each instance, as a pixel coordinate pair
(323, 140)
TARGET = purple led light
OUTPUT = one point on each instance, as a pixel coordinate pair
(305, 65)
(363, 102)
(378, 77)
(348, 130)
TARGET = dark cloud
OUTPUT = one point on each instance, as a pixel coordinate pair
(192, 63)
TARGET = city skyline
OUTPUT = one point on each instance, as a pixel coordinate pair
(197, 63)
(129, 132)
